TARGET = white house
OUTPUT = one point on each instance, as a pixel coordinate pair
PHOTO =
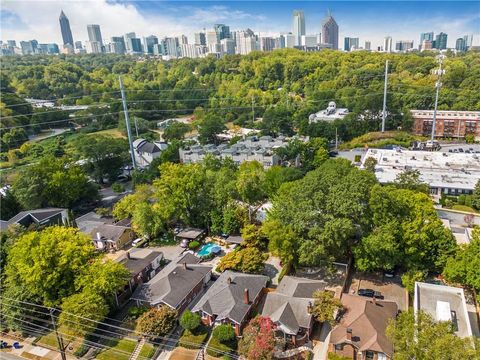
(145, 151)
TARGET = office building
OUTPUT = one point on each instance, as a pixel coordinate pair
(65, 28)
(368, 45)
(12, 43)
(94, 34)
(298, 28)
(171, 47)
(330, 32)
(183, 40)
(450, 123)
(133, 45)
(308, 41)
(148, 43)
(387, 44)
(350, 43)
(445, 303)
(426, 36)
(68, 49)
(267, 43)
(246, 42)
(200, 39)
(280, 42)
(404, 45)
(426, 45)
(222, 31)
(117, 45)
(29, 47)
(468, 39)
(93, 47)
(441, 41)
(460, 44)
(227, 46)
(212, 37)
(78, 45)
(290, 41)
(128, 43)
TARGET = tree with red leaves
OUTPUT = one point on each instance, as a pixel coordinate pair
(258, 341)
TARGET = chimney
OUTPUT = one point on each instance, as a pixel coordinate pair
(246, 298)
(349, 334)
(128, 255)
(229, 280)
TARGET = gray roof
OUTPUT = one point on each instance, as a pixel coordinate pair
(288, 305)
(234, 239)
(86, 223)
(173, 283)
(138, 260)
(225, 298)
(37, 216)
(109, 232)
(148, 147)
(190, 233)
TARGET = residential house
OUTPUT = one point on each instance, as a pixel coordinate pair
(176, 285)
(143, 265)
(38, 218)
(89, 221)
(190, 234)
(145, 152)
(360, 334)
(231, 299)
(289, 307)
(111, 237)
(444, 303)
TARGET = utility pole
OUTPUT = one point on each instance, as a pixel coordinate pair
(439, 72)
(384, 112)
(136, 125)
(61, 347)
(253, 109)
(336, 139)
(127, 120)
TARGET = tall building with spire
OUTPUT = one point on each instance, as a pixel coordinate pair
(65, 28)
(298, 26)
(330, 31)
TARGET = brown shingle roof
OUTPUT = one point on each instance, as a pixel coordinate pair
(368, 321)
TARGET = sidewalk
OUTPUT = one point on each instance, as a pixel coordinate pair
(31, 351)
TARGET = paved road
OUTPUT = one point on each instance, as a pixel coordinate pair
(7, 356)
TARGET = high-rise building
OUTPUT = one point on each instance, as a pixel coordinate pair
(468, 41)
(12, 43)
(308, 41)
(65, 28)
(117, 45)
(267, 43)
(460, 44)
(93, 47)
(200, 39)
(171, 47)
(330, 32)
(148, 43)
(212, 37)
(29, 47)
(280, 42)
(49, 49)
(349, 43)
(128, 43)
(227, 46)
(298, 28)
(426, 36)
(441, 41)
(78, 45)
(404, 45)
(133, 45)
(290, 40)
(246, 42)
(183, 40)
(426, 45)
(94, 33)
(368, 45)
(387, 44)
(188, 51)
(222, 30)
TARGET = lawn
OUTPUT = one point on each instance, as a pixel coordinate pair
(215, 344)
(115, 133)
(195, 339)
(379, 139)
(464, 208)
(119, 351)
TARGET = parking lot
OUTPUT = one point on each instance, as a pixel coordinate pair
(390, 288)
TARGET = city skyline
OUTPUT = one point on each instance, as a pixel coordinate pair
(270, 18)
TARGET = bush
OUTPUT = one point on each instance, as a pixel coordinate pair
(224, 333)
(194, 340)
(193, 245)
(410, 277)
(157, 321)
(190, 321)
(461, 200)
(136, 311)
(118, 188)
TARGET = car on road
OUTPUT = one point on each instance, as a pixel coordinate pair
(370, 293)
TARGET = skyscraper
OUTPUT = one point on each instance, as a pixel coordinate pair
(460, 44)
(468, 41)
(426, 36)
(94, 33)
(441, 41)
(404, 45)
(330, 31)
(222, 30)
(117, 45)
(298, 26)
(350, 43)
(387, 44)
(148, 43)
(65, 28)
(368, 45)
(200, 39)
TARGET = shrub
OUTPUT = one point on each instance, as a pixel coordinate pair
(118, 188)
(190, 321)
(157, 321)
(136, 311)
(461, 200)
(224, 333)
(410, 277)
(102, 211)
(193, 245)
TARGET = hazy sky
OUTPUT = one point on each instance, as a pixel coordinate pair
(368, 20)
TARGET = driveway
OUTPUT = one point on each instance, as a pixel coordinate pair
(321, 339)
(390, 288)
(273, 269)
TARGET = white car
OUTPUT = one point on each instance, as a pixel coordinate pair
(136, 242)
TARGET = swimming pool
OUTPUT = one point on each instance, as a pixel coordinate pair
(208, 249)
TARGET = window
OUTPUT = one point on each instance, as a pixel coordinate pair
(369, 355)
(381, 356)
(339, 347)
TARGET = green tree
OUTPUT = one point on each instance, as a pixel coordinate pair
(77, 308)
(277, 121)
(53, 183)
(104, 156)
(476, 196)
(325, 306)
(56, 254)
(410, 180)
(176, 131)
(190, 321)
(223, 333)
(157, 321)
(146, 221)
(248, 260)
(275, 176)
(282, 240)
(463, 267)
(412, 276)
(125, 208)
(418, 336)
(253, 236)
(370, 164)
(209, 127)
(10, 205)
(250, 182)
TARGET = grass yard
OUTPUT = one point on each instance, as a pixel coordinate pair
(464, 208)
(119, 351)
(195, 339)
(115, 133)
(215, 344)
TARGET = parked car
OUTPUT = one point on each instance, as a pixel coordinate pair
(370, 293)
(136, 242)
(184, 243)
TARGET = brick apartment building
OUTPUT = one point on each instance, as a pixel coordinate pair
(450, 123)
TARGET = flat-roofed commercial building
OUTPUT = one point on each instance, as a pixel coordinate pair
(450, 123)
(448, 173)
(444, 303)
